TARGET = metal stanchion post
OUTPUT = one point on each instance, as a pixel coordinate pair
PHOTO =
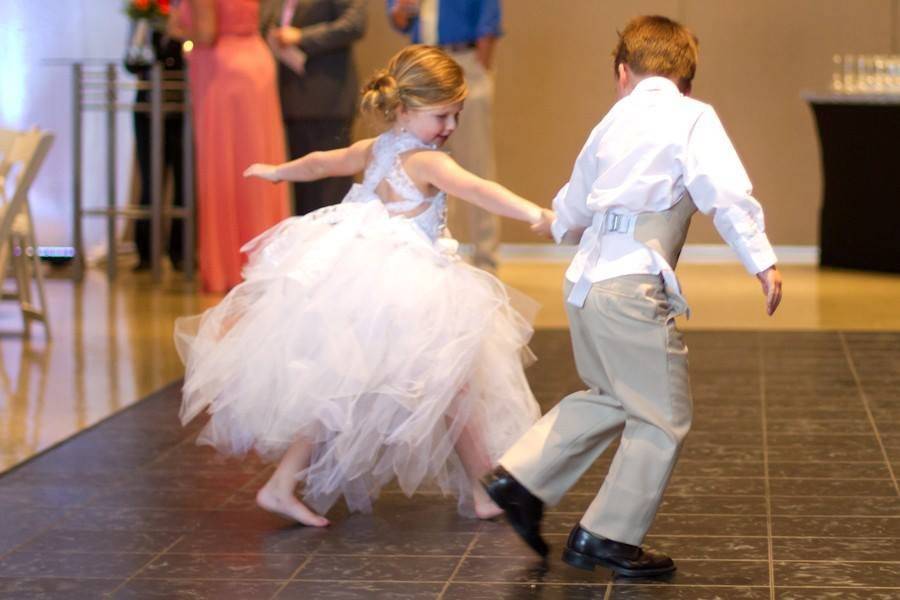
(157, 107)
(156, 170)
(111, 246)
(189, 220)
(77, 74)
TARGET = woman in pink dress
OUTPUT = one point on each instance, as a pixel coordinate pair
(237, 120)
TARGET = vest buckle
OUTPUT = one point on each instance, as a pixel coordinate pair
(619, 223)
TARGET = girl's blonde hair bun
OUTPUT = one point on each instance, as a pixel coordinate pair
(418, 76)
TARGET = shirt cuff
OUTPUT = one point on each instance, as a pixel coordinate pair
(757, 254)
(558, 230)
(492, 32)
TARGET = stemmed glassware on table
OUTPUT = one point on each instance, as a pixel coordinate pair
(866, 74)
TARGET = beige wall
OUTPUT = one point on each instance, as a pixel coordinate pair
(554, 82)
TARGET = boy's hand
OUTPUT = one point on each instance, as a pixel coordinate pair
(263, 171)
(771, 286)
(542, 226)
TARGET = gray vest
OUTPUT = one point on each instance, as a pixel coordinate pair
(664, 232)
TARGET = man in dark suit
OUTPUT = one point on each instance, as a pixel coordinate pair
(167, 52)
(318, 85)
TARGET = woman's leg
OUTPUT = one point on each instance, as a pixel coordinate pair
(277, 495)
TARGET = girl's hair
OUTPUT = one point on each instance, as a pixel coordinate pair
(418, 76)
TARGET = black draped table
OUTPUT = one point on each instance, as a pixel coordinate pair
(859, 138)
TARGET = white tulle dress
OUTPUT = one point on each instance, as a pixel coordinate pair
(364, 333)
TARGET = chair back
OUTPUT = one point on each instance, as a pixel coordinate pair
(7, 137)
(23, 159)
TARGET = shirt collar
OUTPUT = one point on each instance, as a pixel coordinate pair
(656, 83)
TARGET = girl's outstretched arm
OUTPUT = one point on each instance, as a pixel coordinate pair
(444, 173)
(317, 165)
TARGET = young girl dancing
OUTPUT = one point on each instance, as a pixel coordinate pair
(360, 348)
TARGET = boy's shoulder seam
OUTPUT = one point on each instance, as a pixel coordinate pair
(698, 108)
(702, 106)
(698, 103)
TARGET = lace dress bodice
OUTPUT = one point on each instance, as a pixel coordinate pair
(386, 165)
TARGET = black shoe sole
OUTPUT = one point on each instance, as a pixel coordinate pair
(589, 563)
(534, 540)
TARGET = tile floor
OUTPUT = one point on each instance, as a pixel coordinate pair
(787, 489)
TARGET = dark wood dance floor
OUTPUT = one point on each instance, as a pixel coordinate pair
(786, 489)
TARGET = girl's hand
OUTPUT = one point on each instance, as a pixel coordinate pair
(543, 225)
(263, 171)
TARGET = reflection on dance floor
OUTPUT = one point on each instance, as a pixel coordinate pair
(111, 346)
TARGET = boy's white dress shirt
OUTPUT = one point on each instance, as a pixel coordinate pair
(651, 147)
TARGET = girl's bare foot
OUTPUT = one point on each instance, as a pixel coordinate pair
(484, 506)
(288, 506)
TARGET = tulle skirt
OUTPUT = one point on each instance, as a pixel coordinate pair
(354, 331)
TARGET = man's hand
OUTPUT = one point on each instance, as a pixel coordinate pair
(263, 171)
(410, 7)
(543, 226)
(288, 36)
(403, 11)
(175, 29)
(771, 286)
(484, 51)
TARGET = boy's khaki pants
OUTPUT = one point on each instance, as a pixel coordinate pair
(634, 360)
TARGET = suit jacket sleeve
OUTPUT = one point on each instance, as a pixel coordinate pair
(489, 19)
(339, 33)
(268, 15)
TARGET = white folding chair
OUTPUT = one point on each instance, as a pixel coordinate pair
(19, 164)
(7, 137)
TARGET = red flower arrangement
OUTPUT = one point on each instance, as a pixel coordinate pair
(147, 9)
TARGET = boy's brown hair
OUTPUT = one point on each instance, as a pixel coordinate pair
(655, 45)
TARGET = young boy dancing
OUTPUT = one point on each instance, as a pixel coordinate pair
(653, 160)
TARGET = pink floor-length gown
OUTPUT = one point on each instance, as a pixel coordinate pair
(237, 116)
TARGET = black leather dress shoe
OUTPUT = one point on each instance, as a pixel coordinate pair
(524, 511)
(585, 550)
